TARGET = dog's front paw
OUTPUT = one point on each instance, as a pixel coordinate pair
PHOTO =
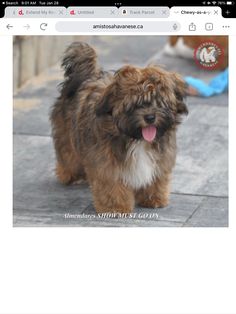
(116, 210)
(154, 202)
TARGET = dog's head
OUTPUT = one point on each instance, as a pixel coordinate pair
(144, 103)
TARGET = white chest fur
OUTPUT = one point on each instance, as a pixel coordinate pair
(140, 166)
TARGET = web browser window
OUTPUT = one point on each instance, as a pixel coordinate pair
(117, 115)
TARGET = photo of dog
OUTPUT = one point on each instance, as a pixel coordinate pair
(117, 130)
(110, 131)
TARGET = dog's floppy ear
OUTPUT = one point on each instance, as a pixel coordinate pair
(180, 93)
(105, 105)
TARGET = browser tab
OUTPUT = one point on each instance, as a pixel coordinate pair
(196, 12)
(35, 12)
(92, 12)
(144, 12)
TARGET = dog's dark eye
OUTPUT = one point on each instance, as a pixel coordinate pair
(130, 109)
(144, 105)
(141, 105)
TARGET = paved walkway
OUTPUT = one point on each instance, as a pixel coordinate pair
(199, 195)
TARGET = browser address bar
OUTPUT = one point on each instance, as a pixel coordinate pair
(123, 26)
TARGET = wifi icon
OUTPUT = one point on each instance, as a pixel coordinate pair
(213, 2)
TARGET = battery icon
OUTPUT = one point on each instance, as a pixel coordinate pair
(229, 2)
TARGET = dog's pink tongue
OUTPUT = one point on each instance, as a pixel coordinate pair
(149, 133)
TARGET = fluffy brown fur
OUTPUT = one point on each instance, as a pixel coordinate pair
(100, 127)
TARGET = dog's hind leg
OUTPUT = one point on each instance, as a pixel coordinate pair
(67, 174)
(69, 167)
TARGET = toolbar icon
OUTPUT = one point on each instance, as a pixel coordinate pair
(175, 26)
(9, 26)
(72, 12)
(209, 26)
(192, 27)
(27, 26)
(43, 26)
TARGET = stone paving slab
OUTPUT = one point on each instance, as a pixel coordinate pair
(35, 185)
(33, 119)
(200, 180)
(202, 160)
(211, 213)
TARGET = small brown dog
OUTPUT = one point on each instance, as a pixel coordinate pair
(117, 130)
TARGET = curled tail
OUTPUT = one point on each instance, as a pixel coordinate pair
(79, 64)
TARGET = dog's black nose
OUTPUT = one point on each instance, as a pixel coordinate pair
(149, 118)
